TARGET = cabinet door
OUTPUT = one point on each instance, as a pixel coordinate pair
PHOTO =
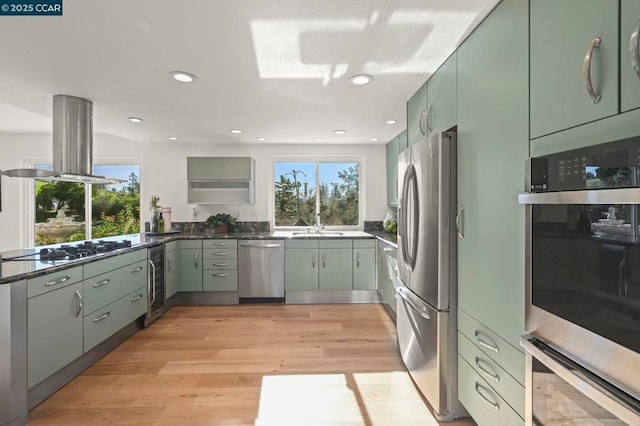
(561, 36)
(54, 331)
(301, 269)
(403, 142)
(386, 274)
(336, 269)
(492, 146)
(392, 172)
(416, 116)
(190, 269)
(629, 50)
(171, 277)
(442, 98)
(364, 269)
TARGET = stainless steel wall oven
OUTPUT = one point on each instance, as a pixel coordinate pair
(583, 277)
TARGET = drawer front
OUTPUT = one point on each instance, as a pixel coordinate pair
(508, 387)
(336, 243)
(296, 244)
(220, 253)
(104, 289)
(209, 264)
(223, 280)
(505, 355)
(106, 265)
(223, 243)
(53, 281)
(170, 246)
(483, 403)
(364, 243)
(103, 323)
(190, 244)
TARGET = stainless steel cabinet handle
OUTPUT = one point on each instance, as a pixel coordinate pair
(101, 283)
(153, 282)
(358, 260)
(388, 249)
(429, 114)
(313, 260)
(138, 297)
(79, 304)
(101, 317)
(324, 260)
(485, 371)
(196, 259)
(634, 48)
(411, 303)
(220, 244)
(586, 70)
(138, 269)
(169, 265)
(274, 245)
(221, 275)
(220, 253)
(58, 281)
(219, 264)
(486, 342)
(423, 122)
(460, 222)
(485, 398)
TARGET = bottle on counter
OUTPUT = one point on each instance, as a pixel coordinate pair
(160, 223)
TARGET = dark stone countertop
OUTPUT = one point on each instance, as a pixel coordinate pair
(389, 238)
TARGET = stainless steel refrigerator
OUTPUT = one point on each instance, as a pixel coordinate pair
(427, 265)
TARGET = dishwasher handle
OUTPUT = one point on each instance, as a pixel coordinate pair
(258, 245)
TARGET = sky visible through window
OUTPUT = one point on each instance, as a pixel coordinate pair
(328, 171)
(109, 171)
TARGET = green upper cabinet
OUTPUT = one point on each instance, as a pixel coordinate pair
(442, 111)
(416, 116)
(629, 51)
(492, 146)
(190, 265)
(392, 172)
(403, 142)
(562, 35)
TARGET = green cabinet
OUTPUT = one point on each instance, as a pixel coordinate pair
(220, 267)
(403, 142)
(386, 273)
(336, 264)
(54, 331)
(629, 49)
(416, 116)
(442, 98)
(190, 265)
(364, 264)
(301, 265)
(562, 35)
(392, 172)
(171, 265)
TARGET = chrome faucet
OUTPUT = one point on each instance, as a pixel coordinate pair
(317, 227)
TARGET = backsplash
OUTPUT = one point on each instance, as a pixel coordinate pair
(373, 226)
(201, 227)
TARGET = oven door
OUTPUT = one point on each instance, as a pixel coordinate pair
(583, 278)
(559, 391)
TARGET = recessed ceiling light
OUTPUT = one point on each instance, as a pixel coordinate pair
(173, 138)
(136, 119)
(392, 121)
(374, 139)
(339, 132)
(260, 138)
(236, 131)
(318, 139)
(183, 77)
(360, 79)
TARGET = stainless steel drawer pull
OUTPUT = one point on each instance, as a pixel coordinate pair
(221, 275)
(220, 244)
(58, 281)
(487, 343)
(486, 372)
(586, 70)
(138, 297)
(220, 264)
(101, 317)
(79, 304)
(138, 269)
(101, 283)
(634, 48)
(485, 398)
(220, 253)
(388, 249)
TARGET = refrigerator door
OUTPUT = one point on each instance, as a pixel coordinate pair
(405, 214)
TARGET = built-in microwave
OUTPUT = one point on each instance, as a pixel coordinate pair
(583, 259)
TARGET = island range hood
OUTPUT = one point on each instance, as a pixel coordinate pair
(72, 145)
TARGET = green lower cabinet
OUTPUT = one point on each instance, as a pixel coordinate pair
(386, 257)
(54, 332)
(629, 77)
(301, 268)
(336, 269)
(171, 276)
(220, 280)
(190, 269)
(364, 268)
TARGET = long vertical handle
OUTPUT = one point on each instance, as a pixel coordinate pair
(169, 266)
(79, 304)
(196, 259)
(313, 260)
(153, 282)
(586, 70)
(358, 259)
(634, 48)
(324, 260)
(460, 222)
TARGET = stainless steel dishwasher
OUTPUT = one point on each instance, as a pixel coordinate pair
(261, 271)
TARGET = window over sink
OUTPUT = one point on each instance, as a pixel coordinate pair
(305, 188)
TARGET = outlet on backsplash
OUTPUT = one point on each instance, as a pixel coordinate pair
(194, 213)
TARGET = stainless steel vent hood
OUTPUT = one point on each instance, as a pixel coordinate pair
(72, 145)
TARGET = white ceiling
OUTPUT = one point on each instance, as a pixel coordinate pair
(276, 69)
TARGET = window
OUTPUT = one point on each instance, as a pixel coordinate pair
(304, 189)
(61, 208)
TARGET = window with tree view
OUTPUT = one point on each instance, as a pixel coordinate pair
(61, 207)
(305, 188)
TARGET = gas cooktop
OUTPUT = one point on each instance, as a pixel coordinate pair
(70, 252)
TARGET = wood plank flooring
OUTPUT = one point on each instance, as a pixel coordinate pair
(248, 365)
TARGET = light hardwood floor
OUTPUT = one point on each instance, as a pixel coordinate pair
(248, 365)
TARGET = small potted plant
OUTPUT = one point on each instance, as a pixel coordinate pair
(222, 223)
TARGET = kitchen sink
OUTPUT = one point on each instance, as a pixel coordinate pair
(316, 234)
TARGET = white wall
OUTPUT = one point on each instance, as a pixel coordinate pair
(163, 170)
